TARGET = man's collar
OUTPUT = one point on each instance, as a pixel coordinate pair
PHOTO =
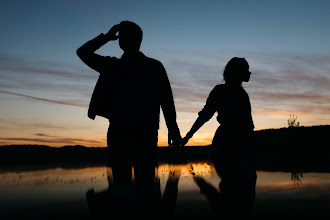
(132, 56)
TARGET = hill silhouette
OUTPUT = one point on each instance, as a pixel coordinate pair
(296, 148)
(299, 148)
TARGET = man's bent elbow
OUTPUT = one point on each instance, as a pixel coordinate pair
(79, 52)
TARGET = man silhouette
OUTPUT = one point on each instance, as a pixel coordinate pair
(129, 92)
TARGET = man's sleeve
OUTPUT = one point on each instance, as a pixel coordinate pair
(167, 103)
(87, 54)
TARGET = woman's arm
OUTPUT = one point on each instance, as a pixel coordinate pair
(197, 125)
(203, 116)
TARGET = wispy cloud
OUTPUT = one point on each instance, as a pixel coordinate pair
(45, 71)
(48, 140)
(286, 98)
(59, 83)
(49, 126)
(280, 84)
(44, 135)
(43, 99)
(19, 65)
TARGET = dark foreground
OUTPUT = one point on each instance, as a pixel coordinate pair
(61, 193)
(75, 182)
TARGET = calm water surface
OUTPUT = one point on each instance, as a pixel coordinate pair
(61, 192)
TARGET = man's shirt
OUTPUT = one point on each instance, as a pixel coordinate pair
(130, 90)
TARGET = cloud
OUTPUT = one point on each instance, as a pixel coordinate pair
(43, 135)
(280, 84)
(44, 100)
(62, 82)
(45, 71)
(289, 98)
(19, 65)
(49, 126)
(53, 140)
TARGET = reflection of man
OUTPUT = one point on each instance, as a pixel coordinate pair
(135, 198)
(130, 92)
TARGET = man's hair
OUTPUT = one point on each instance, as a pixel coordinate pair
(136, 31)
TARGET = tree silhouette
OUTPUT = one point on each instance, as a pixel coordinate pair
(292, 121)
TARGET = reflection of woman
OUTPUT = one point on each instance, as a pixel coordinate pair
(232, 152)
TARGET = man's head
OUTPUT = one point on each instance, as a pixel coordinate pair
(130, 36)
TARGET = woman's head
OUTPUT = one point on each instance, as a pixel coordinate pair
(236, 71)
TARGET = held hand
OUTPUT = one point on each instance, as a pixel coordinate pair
(174, 140)
(111, 35)
(185, 140)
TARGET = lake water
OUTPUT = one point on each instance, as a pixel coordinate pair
(61, 192)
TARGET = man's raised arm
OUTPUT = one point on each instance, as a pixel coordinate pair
(86, 51)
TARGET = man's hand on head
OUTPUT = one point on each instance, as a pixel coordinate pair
(112, 33)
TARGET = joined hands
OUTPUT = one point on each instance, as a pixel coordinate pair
(178, 141)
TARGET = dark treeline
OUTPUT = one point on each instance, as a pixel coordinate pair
(304, 149)
(299, 148)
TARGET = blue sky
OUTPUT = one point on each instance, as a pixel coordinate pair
(46, 88)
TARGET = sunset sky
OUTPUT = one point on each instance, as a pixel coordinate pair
(45, 88)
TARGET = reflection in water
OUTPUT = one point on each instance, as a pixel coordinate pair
(89, 176)
(138, 196)
(135, 197)
(63, 191)
(236, 196)
(296, 177)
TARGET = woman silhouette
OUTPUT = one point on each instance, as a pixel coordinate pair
(232, 103)
(232, 153)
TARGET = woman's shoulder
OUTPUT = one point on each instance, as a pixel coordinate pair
(218, 90)
(224, 90)
(220, 87)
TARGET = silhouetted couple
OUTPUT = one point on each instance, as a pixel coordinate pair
(131, 90)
